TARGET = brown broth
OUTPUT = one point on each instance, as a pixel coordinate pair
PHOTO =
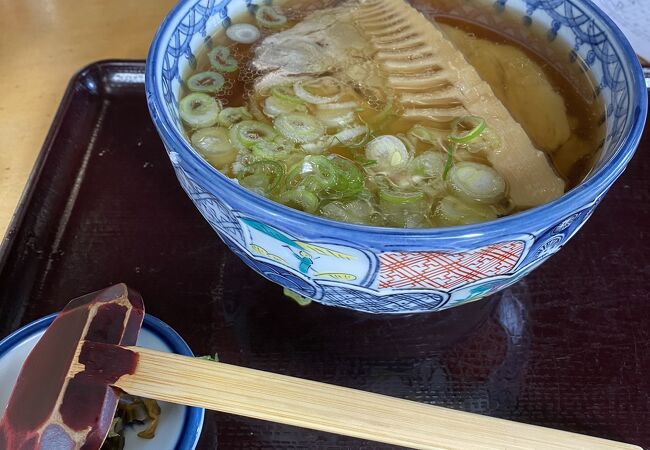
(572, 161)
(551, 96)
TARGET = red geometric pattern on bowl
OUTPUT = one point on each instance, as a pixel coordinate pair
(443, 270)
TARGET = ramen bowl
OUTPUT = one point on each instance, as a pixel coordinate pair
(390, 270)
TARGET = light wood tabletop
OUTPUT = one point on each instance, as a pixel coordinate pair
(43, 43)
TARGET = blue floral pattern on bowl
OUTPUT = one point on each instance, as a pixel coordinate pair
(381, 270)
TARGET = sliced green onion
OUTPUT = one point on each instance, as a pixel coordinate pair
(199, 110)
(449, 162)
(213, 144)
(349, 179)
(427, 165)
(274, 106)
(302, 301)
(244, 33)
(255, 110)
(205, 82)
(318, 146)
(299, 127)
(269, 17)
(222, 60)
(402, 208)
(410, 146)
(426, 134)
(271, 150)
(300, 198)
(250, 132)
(332, 177)
(319, 90)
(337, 211)
(477, 182)
(425, 173)
(453, 211)
(315, 173)
(389, 152)
(466, 129)
(263, 177)
(318, 169)
(285, 92)
(358, 211)
(230, 116)
(338, 106)
(396, 197)
(336, 118)
(352, 137)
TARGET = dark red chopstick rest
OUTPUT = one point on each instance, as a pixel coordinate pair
(45, 408)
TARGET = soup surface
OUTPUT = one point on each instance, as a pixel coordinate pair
(352, 112)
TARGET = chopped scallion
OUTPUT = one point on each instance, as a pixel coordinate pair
(300, 198)
(205, 82)
(315, 173)
(285, 92)
(449, 162)
(349, 179)
(400, 197)
(269, 17)
(299, 127)
(244, 33)
(467, 128)
(250, 132)
(274, 106)
(213, 144)
(263, 177)
(222, 60)
(271, 150)
(476, 182)
(389, 152)
(302, 301)
(319, 90)
(230, 116)
(199, 110)
(453, 211)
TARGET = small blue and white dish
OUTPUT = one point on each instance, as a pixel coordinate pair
(179, 427)
(384, 270)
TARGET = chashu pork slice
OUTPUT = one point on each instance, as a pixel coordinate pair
(325, 41)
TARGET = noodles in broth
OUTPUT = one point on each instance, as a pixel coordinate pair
(369, 112)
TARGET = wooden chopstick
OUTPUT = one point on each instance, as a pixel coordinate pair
(336, 409)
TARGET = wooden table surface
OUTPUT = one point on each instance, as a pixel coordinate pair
(42, 44)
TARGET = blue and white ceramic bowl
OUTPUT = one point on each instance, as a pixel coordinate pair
(382, 270)
(179, 427)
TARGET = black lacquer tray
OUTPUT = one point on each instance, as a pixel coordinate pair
(567, 347)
